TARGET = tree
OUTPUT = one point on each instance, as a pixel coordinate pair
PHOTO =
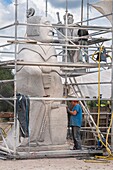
(6, 89)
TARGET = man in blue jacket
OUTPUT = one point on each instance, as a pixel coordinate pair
(75, 123)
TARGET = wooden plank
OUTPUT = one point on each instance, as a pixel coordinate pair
(6, 115)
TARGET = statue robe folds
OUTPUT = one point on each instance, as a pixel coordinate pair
(47, 119)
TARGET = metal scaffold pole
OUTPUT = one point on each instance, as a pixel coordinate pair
(112, 84)
(66, 30)
(27, 6)
(46, 8)
(69, 71)
(81, 12)
(87, 12)
(15, 118)
(87, 25)
(66, 43)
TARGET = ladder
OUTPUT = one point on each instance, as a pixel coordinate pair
(89, 118)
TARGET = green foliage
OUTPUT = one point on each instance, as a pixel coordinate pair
(5, 74)
(6, 89)
(91, 104)
(94, 104)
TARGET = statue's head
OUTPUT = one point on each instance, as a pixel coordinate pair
(70, 19)
(42, 32)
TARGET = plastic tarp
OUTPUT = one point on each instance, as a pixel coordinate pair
(91, 90)
(104, 7)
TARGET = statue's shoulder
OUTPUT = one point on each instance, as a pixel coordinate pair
(36, 46)
(33, 50)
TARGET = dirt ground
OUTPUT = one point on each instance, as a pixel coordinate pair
(54, 164)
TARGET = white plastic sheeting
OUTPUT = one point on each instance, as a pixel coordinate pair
(91, 90)
(104, 7)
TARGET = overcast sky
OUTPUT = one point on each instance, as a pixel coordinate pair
(7, 15)
(71, 3)
(74, 6)
(39, 5)
(60, 3)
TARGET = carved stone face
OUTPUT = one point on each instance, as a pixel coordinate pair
(70, 19)
(46, 33)
(43, 32)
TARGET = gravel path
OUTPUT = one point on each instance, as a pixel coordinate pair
(54, 164)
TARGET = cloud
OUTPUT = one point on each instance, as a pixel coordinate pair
(62, 3)
(72, 4)
(7, 15)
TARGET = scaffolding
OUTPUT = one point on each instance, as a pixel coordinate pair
(68, 70)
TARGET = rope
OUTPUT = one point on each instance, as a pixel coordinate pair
(96, 160)
(102, 53)
(104, 159)
(100, 136)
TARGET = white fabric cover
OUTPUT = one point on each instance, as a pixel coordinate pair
(104, 7)
(92, 90)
